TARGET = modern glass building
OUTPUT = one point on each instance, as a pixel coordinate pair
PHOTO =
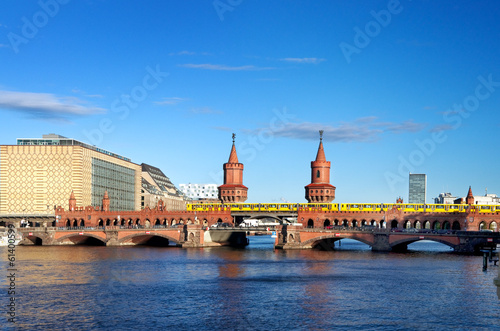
(38, 174)
(417, 188)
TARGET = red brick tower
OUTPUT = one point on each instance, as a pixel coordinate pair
(233, 189)
(72, 202)
(320, 189)
(470, 198)
(105, 201)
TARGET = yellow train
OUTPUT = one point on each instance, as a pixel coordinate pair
(368, 207)
(263, 206)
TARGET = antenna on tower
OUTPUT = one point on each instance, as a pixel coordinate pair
(321, 134)
(234, 136)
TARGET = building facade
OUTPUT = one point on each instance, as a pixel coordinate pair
(38, 174)
(157, 186)
(199, 191)
(417, 188)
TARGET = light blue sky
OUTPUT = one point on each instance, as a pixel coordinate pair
(397, 86)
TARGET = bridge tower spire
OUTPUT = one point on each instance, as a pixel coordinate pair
(320, 189)
(72, 201)
(470, 197)
(233, 189)
(105, 201)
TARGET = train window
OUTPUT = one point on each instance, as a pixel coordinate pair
(355, 206)
(410, 206)
(367, 206)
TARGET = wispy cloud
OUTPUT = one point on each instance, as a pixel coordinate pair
(170, 101)
(366, 129)
(182, 53)
(312, 60)
(46, 105)
(208, 66)
(442, 127)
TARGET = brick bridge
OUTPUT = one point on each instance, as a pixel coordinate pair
(298, 237)
(192, 235)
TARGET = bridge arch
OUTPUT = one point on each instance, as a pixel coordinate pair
(417, 224)
(85, 239)
(154, 239)
(402, 245)
(493, 226)
(436, 225)
(331, 238)
(456, 225)
(310, 223)
(326, 223)
(34, 239)
(394, 224)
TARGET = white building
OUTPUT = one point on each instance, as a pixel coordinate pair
(488, 199)
(445, 198)
(199, 191)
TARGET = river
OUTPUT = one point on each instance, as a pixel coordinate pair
(255, 288)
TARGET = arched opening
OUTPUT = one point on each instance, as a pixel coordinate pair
(482, 226)
(147, 223)
(68, 223)
(326, 223)
(336, 222)
(417, 225)
(446, 225)
(123, 222)
(75, 223)
(436, 225)
(189, 221)
(345, 222)
(456, 225)
(291, 238)
(493, 226)
(157, 222)
(205, 222)
(310, 223)
(363, 223)
(115, 222)
(383, 224)
(407, 225)
(137, 223)
(373, 223)
(174, 222)
(82, 223)
(427, 225)
(100, 223)
(108, 222)
(394, 224)
(354, 223)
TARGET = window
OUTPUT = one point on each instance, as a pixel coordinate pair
(317, 173)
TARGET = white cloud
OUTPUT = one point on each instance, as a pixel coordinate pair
(45, 105)
(312, 60)
(170, 101)
(208, 66)
(365, 129)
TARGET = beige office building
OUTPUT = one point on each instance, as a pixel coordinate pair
(38, 174)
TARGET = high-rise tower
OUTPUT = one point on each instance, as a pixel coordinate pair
(320, 189)
(233, 189)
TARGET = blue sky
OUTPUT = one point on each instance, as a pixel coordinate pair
(397, 86)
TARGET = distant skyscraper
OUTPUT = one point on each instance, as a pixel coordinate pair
(418, 188)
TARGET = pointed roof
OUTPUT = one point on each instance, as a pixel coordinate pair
(469, 194)
(72, 196)
(106, 195)
(321, 153)
(233, 158)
